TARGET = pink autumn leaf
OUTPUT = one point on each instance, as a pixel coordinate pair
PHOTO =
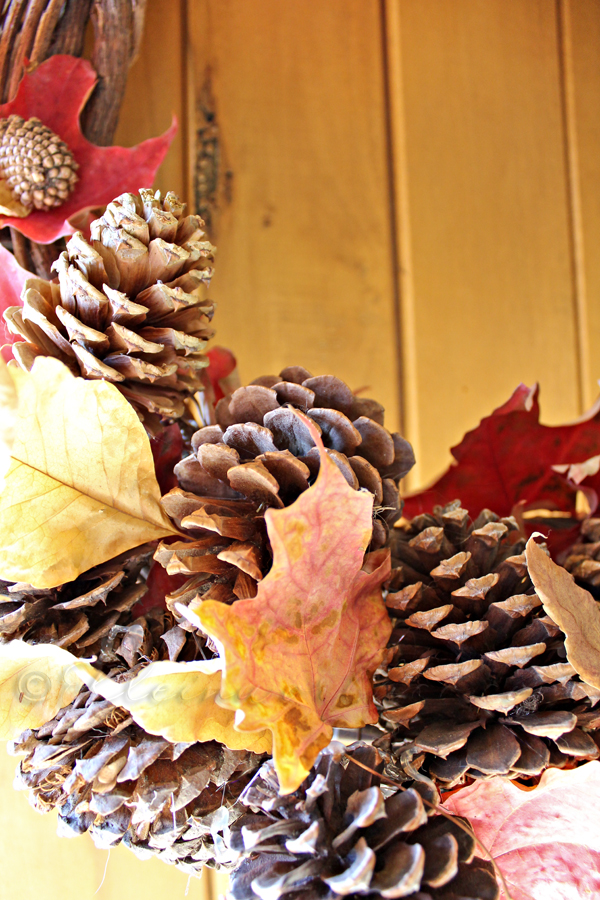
(12, 279)
(56, 93)
(545, 841)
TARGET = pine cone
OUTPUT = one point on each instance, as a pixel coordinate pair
(80, 614)
(105, 774)
(476, 680)
(339, 834)
(130, 308)
(261, 455)
(37, 166)
(583, 558)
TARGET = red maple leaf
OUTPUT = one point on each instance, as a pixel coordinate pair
(545, 841)
(167, 450)
(159, 584)
(222, 371)
(506, 464)
(56, 93)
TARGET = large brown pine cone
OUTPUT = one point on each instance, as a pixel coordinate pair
(260, 455)
(583, 558)
(476, 681)
(130, 307)
(80, 614)
(105, 774)
(340, 834)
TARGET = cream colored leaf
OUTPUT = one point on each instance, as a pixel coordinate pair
(9, 206)
(35, 682)
(573, 609)
(81, 486)
(178, 701)
(8, 413)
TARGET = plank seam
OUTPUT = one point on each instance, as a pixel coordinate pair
(185, 101)
(400, 230)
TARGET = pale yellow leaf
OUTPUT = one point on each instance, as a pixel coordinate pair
(35, 682)
(9, 205)
(178, 701)
(573, 609)
(8, 413)
(81, 486)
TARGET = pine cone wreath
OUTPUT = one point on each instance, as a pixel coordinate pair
(258, 455)
(104, 774)
(476, 682)
(341, 834)
(130, 307)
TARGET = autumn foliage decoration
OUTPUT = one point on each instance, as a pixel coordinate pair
(56, 92)
(140, 715)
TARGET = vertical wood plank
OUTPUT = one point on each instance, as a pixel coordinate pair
(304, 273)
(493, 294)
(156, 91)
(581, 20)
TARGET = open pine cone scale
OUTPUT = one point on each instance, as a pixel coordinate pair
(130, 307)
(260, 455)
(476, 675)
(341, 834)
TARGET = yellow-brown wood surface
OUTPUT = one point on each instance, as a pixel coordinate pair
(407, 195)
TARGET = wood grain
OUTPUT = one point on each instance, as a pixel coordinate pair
(155, 92)
(304, 273)
(488, 213)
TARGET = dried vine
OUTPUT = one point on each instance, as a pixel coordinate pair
(33, 30)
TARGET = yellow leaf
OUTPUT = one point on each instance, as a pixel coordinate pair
(81, 486)
(8, 413)
(573, 609)
(35, 682)
(9, 206)
(177, 701)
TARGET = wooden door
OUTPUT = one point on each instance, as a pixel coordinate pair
(404, 193)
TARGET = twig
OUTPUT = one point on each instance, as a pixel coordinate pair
(69, 34)
(24, 43)
(10, 28)
(45, 31)
(21, 249)
(117, 26)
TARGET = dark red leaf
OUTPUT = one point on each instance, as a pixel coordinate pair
(55, 93)
(159, 585)
(222, 371)
(507, 462)
(167, 450)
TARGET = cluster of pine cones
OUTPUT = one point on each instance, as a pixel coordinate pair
(474, 682)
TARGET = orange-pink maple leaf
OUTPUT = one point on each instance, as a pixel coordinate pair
(56, 92)
(299, 657)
